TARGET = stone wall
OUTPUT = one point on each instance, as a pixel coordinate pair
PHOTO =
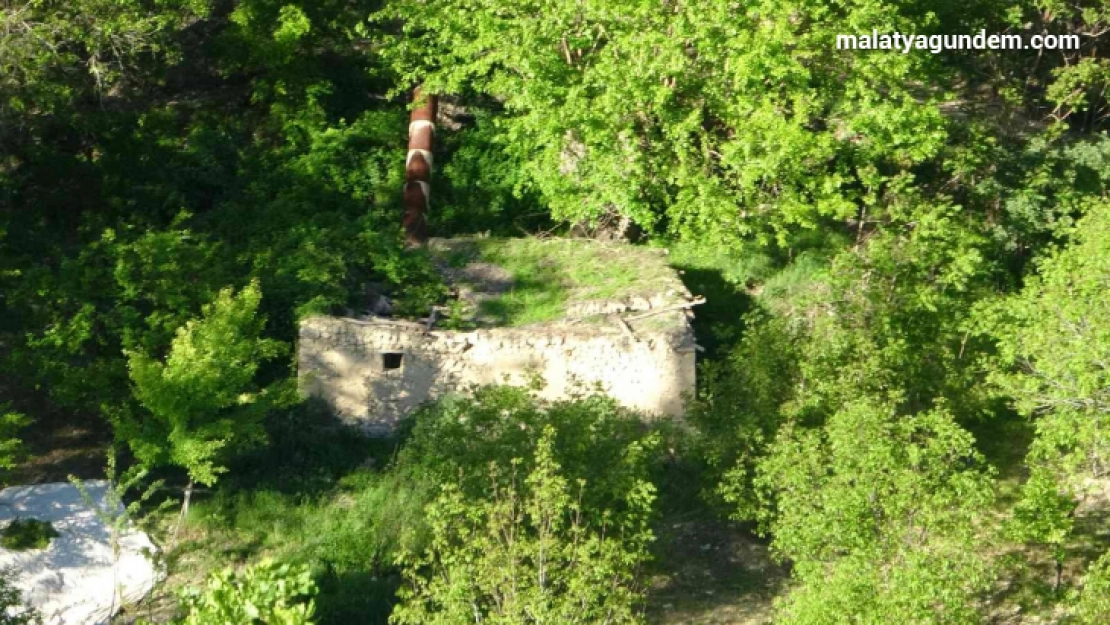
(373, 373)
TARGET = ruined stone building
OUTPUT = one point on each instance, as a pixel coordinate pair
(582, 315)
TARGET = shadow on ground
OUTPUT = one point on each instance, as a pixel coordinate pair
(711, 572)
(60, 444)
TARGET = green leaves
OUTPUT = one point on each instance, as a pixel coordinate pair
(530, 553)
(595, 439)
(1053, 354)
(11, 447)
(55, 52)
(880, 514)
(740, 406)
(264, 593)
(722, 124)
(258, 156)
(294, 24)
(202, 401)
(1091, 605)
(287, 24)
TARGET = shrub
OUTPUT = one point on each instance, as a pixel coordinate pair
(11, 448)
(1053, 338)
(738, 409)
(263, 593)
(881, 515)
(595, 439)
(531, 553)
(1092, 603)
(202, 402)
(25, 534)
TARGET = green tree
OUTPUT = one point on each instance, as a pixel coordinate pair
(203, 402)
(124, 210)
(698, 117)
(56, 53)
(529, 553)
(1053, 354)
(891, 318)
(881, 516)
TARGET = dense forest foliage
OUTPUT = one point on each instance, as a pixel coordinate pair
(906, 387)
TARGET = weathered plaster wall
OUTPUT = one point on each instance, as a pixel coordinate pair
(341, 361)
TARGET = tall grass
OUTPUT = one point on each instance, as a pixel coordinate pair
(348, 536)
(319, 494)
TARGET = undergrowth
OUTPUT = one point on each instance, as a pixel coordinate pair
(27, 534)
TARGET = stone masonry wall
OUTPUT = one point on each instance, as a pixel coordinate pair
(375, 373)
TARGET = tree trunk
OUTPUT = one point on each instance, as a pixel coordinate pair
(184, 511)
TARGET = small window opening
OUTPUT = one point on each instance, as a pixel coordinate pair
(392, 360)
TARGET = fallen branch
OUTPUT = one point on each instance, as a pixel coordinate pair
(627, 329)
(651, 313)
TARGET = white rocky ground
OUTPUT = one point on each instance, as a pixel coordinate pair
(76, 580)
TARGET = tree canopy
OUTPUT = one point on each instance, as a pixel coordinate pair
(906, 254)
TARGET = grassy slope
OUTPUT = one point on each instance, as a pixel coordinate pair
(319, 494)
(548, 275)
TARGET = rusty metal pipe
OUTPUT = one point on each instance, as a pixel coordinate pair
(418, 167)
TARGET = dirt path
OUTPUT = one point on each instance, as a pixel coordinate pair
(712, 572)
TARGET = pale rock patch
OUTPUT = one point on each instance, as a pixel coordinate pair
(76, 580)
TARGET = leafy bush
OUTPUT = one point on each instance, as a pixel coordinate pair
(348, 521)
(263, 594)
(575, 528)
(528, 553)
(24, 534)
(1053, 340)
(12, 610)
(595, 439)
(880, 515)
(11, 447)
(1091, 604)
